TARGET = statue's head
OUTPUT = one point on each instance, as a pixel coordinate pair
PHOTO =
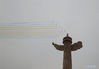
(67, 40)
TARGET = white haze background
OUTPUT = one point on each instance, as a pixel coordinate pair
(79, 18)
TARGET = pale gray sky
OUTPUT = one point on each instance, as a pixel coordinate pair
(79, 18)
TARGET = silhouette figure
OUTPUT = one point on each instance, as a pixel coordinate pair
(68, 47)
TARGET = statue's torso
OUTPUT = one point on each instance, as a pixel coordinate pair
(67, 58)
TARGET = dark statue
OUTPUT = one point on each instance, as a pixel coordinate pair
(68, 47)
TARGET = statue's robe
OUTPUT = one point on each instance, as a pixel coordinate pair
(67, 60)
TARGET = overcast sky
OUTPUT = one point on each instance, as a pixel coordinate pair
(79, 18)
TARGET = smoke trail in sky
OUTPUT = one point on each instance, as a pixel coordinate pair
(28, 30)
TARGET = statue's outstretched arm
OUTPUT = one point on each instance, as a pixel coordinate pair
(58, 47)
(76, 46)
